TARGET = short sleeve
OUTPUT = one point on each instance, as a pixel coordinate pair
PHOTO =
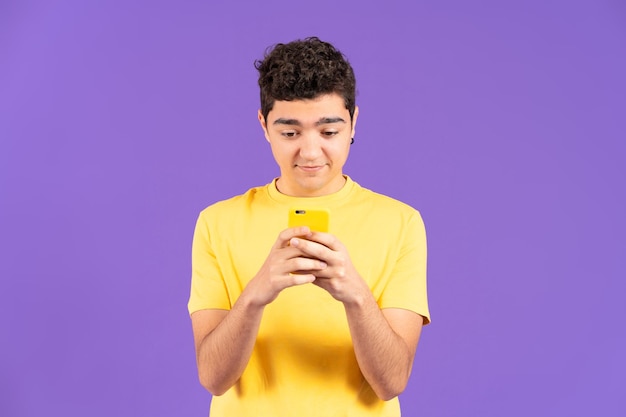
(407, 285)
(207, 284)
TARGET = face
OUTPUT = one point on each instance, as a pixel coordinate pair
(310, 140)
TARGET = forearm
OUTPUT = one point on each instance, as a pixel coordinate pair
(224, 341)
(224, 353)
(385, 359)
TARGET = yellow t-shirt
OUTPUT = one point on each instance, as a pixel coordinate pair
(303, 363)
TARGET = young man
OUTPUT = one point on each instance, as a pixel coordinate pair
(295, 322)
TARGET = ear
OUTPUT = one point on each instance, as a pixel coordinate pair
(263, 125)
(354, 117)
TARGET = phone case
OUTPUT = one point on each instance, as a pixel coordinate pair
(315, 219)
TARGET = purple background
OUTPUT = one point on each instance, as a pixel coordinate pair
(502, 122)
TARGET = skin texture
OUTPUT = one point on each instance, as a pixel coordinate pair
(310, 141)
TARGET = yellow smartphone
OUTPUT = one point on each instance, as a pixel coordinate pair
(316, 219)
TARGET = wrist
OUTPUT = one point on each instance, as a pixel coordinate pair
(360, 300)
(250, 303)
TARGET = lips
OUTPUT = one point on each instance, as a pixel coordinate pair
(310, 168)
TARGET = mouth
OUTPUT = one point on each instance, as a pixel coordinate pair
(310, 168)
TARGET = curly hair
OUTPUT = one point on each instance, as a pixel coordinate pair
(304, 69)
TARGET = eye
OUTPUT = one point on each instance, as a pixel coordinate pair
(329, 133)
(289, 133)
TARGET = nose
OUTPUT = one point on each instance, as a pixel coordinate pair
(310, 147)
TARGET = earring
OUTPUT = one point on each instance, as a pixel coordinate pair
(352, 141)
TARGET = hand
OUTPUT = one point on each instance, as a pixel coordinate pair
(279, 269)
(340, 278)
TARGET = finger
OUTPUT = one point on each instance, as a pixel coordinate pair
(311, 249)
(302, 264)
(325, 239)
(301, 278)
(286, 235)
(290, 252)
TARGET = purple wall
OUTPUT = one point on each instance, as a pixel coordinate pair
(503, 124)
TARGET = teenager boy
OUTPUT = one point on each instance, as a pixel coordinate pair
(296, 322)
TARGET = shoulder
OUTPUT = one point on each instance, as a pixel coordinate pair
(236, 203)
(383, 203)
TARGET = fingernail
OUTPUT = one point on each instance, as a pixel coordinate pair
(322, 264)
(295, 242)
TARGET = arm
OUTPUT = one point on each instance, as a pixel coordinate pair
(384, 343)
(384, 340)
(224, 339)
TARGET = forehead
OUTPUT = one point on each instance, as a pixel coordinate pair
(309, 110)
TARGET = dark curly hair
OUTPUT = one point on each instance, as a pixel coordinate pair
(304, 69)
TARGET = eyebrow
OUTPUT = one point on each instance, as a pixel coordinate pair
(322, 121)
